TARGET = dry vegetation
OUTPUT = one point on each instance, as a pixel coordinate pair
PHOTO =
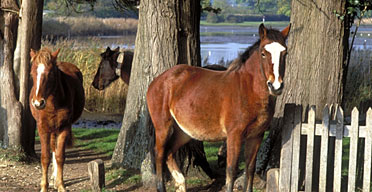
(88, 26)
(112, 99)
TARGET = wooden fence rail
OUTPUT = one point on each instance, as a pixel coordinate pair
(298, 137)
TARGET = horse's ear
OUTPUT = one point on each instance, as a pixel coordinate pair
(32, 54)
(108, 49)
(117, 49)
(262, 31)
(55, 53)
(286, 31)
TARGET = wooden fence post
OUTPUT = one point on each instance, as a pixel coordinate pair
(354, 136)
(272, 180)
(367, 152)
(324, 150)
(96, 170)
(286, 151)
(338, 149)
(296, 148)
(310, 150)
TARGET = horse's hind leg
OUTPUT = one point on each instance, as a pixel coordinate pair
(45, 159)
(250, 152)
(60, 157)
(162, 132)
(178, 139)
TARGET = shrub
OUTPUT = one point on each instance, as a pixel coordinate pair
(212, 18)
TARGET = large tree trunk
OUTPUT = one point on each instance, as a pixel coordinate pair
(29, 123)
(10, 110)
(317, 48)
(168, 34)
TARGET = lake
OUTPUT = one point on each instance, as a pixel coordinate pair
(224, 43)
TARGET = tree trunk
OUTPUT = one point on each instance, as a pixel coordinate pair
(10, 110)
(168, 34)
(29, 123)
(317, 48)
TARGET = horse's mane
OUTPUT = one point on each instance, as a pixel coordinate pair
(272, 34)
(43, 56)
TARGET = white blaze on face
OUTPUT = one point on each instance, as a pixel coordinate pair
(40, 70)
(275, 49)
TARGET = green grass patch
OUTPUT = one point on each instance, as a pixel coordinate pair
(119, 176)
(99, 140)
(248, 23)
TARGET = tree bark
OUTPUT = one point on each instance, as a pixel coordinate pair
(168, 34)
(317, 48)
(10, 110)
(29, 123)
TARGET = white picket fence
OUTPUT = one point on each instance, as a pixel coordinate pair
(331, 130)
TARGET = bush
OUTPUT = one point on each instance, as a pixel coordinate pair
(234, 19)
(212, 18)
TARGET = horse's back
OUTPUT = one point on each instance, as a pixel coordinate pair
(182, 91)
(74, 79)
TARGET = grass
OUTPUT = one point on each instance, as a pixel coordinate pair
(99, 140)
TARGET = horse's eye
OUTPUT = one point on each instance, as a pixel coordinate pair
(263, 55)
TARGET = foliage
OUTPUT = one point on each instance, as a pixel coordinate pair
(84, 26)
(212, 18)
(358, 88)
(97, 8)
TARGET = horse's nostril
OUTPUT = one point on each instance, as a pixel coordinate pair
(42, 103)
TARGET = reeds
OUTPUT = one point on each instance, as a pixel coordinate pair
(88, 26)
(86, 56)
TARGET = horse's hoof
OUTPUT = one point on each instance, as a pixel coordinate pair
(61, 189)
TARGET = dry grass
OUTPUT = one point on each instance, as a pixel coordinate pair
(92, 26)
(112, 99)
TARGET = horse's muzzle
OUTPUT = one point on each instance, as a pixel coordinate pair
(274, 91)
(39, 104)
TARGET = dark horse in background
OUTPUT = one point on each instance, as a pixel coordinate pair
(56, 101)
(115, 64)
(236, 105)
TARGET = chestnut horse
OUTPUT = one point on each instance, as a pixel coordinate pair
(188, 102)
(114, 64)
(56, 101)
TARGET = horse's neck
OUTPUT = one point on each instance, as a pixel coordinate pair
(125, 71)
(59, 88)
(252, 71)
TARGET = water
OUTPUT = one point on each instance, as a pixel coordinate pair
(224, 43)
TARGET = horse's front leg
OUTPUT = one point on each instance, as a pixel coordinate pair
(60, 158)
(233, 149)
(251, 148)
(45, 159)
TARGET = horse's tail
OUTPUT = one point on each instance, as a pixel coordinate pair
(69, 139)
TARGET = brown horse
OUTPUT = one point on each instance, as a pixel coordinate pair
(56, 101)
(237, 105)
(114, 64)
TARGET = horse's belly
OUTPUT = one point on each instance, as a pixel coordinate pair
(200, 131)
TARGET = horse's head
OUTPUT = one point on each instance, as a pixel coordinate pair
(106, 69)
(44, 75)
(273, 51)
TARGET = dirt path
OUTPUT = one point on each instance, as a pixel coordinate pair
(16, 176)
